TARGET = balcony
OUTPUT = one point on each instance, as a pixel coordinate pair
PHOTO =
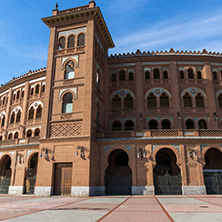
(29, 140)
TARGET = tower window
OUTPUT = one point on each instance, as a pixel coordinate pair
(61, 43)
(71, 41)
(181, 74)
(147, 75)
(156, 74)
(199, 75)
(69, 70)
(81, 40)
(165, 74)
(67, 105)
(190, 73)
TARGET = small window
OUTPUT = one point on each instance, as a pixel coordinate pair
(81, 40)
(147, 75)
(61, 43)
(69, 70)
(153, 124)
(116, 103)
(165, 74)
(23, 93)
(131, 76)
(3, 121)
(129, 125)
(199, 75)
(37, 89)
(166, 124)
(12, 118)
(190, 73)
(156, 74)
(43, 88)
(220, 101)
(10, 136)
(117, 126)
(187, 100)
(113, 77)
(164, 100)
(29, 133)
(37, 133)
(18, 116)
(71, 41)
(128, 102)
(122, 75)
(215, 75)
(18, 94)
(181, 74)
(202, 124)
(32, 91)
(199, 100)
(39, 112)
(0, 138)
(31, 113)
(3, 101)
(189, 124)
(151, 101)
(16, 135)
(14, 96)
(67, 105)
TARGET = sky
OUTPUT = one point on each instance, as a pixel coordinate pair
(148, 25)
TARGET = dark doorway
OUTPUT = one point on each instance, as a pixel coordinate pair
(63, 179)
(213, 171)
(118, 175)
(31, 175)
(167, 178)
(5, 176)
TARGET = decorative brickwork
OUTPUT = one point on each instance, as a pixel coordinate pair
(66, 129)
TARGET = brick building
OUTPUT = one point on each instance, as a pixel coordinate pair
(92, 124)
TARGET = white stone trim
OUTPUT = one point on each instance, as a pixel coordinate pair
(4, 92)
(36, 80)
(16, 190)
(193, 190)
(18, 86)
(80, 191)
(143, 190)
(43, 191)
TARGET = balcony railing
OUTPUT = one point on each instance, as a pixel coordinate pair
(162, 133)
(19, 141)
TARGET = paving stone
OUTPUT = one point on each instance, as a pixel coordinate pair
(180, 201)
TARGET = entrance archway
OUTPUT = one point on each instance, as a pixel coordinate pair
(118, 175)
(167, 177)
(31, 174)
(213, 171)
(5, 175)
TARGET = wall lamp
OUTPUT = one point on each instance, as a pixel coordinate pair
(215, 116)
(141, 117)
(178, 116)
(47, 151)
(19, 158)
(142, 153)
(82, 150)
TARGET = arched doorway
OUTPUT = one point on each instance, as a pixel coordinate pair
(167, 177)
(5, 177)
(213, 171)
(30, 178)
(118, 175)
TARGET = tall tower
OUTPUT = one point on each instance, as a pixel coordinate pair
(75, 83)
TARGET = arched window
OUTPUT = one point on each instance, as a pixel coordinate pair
(10, 136)
(117, 126)
(37, 89)
(128, 102)
(31, 113)
(151, 101)
(187, 100)
(32, 91)
(164, 100)
(18, 117)
(147, 75)
(114, 77)
(23, 93)
(165, 74)
(62, 43)
(116, 103)
(131, 76)
(3, 101)
(166, 124)
(181, 74)
(156, 74)
(69, 70)
(215, 75)
(190, 73)
(220, 101)
(39, 112)
(71, 41)
(202, 124)
(199, 75)
(18, 94)
(153, 124)
(29, 133)
(67, 105)
(129, 125)
(43, 88)
(12, 118)
(37, 132)
(14, 96)
(3, 121)
(199, 100)
(122, 75)
(16, 135)
(81, 40)
(189, 124)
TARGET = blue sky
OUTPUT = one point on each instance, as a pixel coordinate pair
(137, 24)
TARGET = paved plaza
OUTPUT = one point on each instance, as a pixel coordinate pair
(111, 208)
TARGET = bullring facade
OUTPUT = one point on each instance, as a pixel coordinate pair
(92, 124)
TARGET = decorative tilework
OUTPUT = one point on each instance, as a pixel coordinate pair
(196, 119)
(203, 146)
(106, 148)
(193, 92)
(155, 63)
(122, 65)
(1, 153)
(123, 120)
(28, 152)
(76, 58)
(98, 67)
(219, 92)
(122, 93)
(214, 69)
(74, 31)
(71, 89)
(159, 119)
(177, 147)
(157, 92)
(12, 153)
(192, 63)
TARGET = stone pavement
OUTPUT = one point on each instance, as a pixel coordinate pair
(111, 208)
